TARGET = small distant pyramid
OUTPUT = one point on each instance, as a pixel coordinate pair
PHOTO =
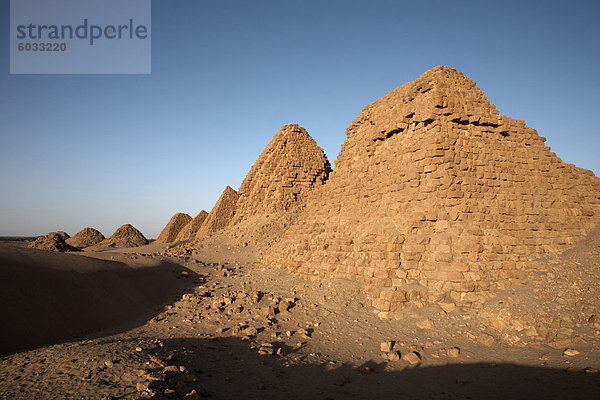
(283, 176)
(436, 196)
(86, 237)
(175, 225)
(53, 241)
(125, 236)
(191, 229)
(220, 215)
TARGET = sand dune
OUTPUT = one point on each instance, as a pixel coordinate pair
(48, 297)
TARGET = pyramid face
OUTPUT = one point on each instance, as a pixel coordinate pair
(190, 230)
(220, 215)
(286, 172)
(86, 237)
(125, 236)
(437, 196)
(175, 225)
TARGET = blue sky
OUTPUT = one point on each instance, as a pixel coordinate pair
(104, 150)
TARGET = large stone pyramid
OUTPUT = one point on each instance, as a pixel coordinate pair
(437, 197)
(220, 215)
(173, 227)
(189, 231)
(283, 176)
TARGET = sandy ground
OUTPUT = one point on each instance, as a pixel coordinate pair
(212, 326)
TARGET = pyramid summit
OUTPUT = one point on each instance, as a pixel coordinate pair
(436, 196)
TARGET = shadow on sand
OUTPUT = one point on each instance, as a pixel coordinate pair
(46, 298)
(228, 369)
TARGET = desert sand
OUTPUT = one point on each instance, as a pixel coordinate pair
(450, 254)
(166, 327)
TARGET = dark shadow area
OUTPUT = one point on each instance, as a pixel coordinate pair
(226, 368)
(47, 297)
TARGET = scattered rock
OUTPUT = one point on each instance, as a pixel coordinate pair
(412, 357)
(453, 352)
(250, 331)
(569, 352)
(485, 339)
(193, 395)
(304, 333)
(387, 346)
(391, 356)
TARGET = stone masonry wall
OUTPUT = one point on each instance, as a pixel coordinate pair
(436, 197)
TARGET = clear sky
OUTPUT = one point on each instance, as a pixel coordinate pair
(104, 150)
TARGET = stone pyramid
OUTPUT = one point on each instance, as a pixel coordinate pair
(436, 197)
(125, 236)
(189, 231)
(53, 241)
(220, 215)
(86, 237)
(175, 225)
(283, 176)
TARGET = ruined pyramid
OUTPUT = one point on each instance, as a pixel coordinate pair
(191, 228)
(283, 176)
(436, 197)
(220, 215)
(273, 192)
(125, 236)
(86, 237)
(277, 187)
(172, 229)
(53, 241)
